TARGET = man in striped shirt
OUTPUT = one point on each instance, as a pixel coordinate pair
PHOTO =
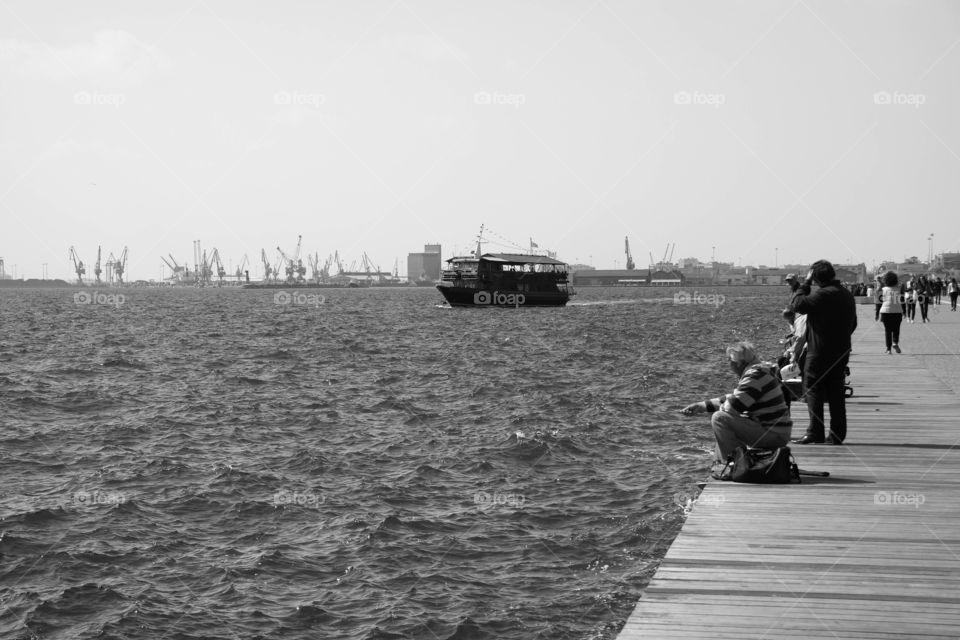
(755, 414)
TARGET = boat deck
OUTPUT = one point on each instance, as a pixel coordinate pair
(873, 551)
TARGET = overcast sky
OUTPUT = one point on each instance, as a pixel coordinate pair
(819, 128)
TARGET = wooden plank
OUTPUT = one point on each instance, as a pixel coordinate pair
(873, 551)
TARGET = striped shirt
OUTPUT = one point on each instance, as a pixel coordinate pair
(759, 396)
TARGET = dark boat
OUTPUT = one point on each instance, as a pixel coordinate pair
(505, 280)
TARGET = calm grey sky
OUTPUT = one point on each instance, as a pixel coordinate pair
(819, 128)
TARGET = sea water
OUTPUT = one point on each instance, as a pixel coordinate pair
(350, 463)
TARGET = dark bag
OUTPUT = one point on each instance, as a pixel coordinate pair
(764, 466)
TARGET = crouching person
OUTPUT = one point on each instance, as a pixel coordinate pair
(755, 414)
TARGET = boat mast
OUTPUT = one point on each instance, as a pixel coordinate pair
(479, 240)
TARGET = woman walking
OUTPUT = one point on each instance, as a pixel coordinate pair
(924, 294)
(953, 290)
(891, 311)
(910, 298)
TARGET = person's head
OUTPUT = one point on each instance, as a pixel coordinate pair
(741, 356)
(953, 280)
(890, 279)
(790, 278)
(880, 277)
(789, 316)
(822, 272)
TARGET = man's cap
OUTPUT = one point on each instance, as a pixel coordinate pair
(790, 276)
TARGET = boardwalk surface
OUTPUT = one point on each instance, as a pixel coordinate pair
(873, 551)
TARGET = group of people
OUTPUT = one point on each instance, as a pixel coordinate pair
(757, 413)
(920, 291)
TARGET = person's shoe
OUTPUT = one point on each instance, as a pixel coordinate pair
(808, 439)
(888, 351)
(833, 441)
(896, 348)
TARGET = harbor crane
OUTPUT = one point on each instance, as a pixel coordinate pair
(96, 268)
(268, 270)
(240, 273)
(294, 266)
(630, 265)
(77, 265)
(120, 266)
(215, 260)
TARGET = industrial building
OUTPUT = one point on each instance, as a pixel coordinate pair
(426, 266)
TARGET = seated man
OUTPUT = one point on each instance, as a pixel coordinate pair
(755, 414)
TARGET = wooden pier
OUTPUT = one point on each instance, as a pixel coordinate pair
(873, 551)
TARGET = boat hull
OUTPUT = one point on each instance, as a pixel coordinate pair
(474, 297)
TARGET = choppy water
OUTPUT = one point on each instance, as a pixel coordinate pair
(209, 464)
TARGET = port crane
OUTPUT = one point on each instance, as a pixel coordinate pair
(120, 265)
(268, 270)
(77, 265)
(180, 274)
(294, 266)
(630, 265)
(215, 260)
(96, 269)
(240, 273)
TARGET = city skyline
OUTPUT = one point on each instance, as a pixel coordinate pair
(782, 133)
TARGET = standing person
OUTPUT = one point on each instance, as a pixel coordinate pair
(831, 320)
(953, 290)
(938, 288)
(755, 414)
(891, 313)
(924, 293)
(910, 299)
(877, 301)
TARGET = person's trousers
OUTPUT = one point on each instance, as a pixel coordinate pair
(891, 328)
(732, 430)
(911, 310)
(924, 307)
(876, 313)
(824, 383)
(953, 301)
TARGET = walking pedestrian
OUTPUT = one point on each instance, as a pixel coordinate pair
(891, 313)
(877, 296)
(953, 290)
(924, 295)
(910, 299)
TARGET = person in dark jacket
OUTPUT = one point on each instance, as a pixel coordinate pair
(831, 320)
